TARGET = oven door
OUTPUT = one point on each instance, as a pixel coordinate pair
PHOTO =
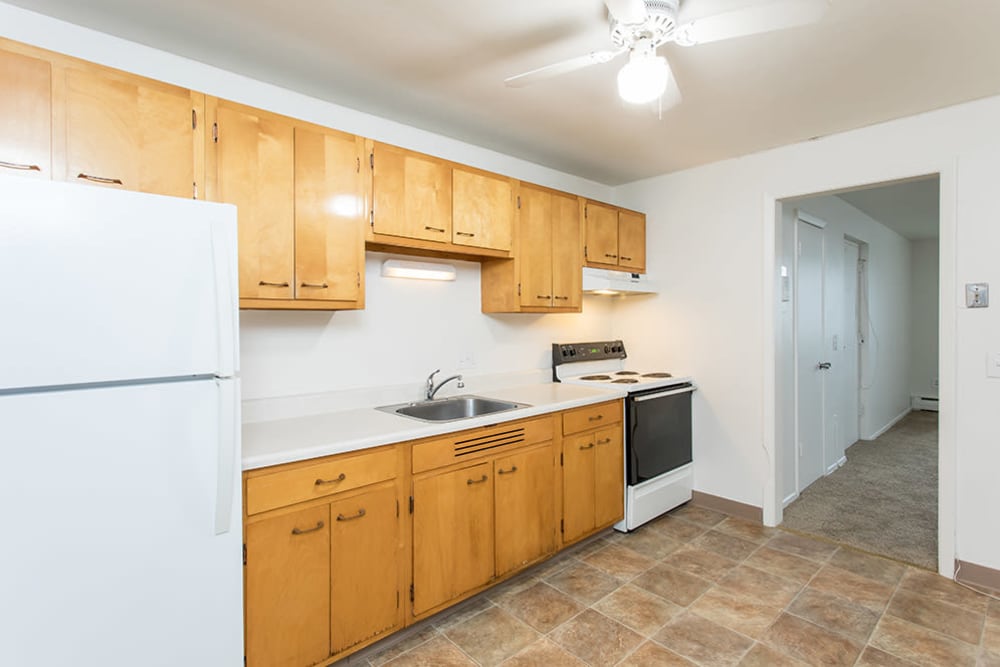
(659, 431)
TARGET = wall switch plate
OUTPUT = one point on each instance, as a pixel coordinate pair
(977, 295)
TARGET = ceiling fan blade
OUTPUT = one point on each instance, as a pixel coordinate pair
(573, 64)
(630, 12)
(750, 18)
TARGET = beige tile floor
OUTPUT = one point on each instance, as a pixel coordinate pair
(699, 588)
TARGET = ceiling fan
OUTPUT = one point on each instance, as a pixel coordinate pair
(640, 26)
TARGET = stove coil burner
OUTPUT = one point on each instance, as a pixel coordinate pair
(624, 381)
(627, 373)
(657, 375)
(596, 377)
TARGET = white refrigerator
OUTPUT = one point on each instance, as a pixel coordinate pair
(120, 531)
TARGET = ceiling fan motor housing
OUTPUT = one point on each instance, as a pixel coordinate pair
(659, 26)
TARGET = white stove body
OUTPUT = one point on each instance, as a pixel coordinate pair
(653, 497)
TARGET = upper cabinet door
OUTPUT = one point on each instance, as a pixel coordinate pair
(330, 210)
(411, 193)
(483, 209)
(255, 171)
(567, 253)
(128, 132)
(25, 115)
(632, 241)
(535, 241)
(602, 234)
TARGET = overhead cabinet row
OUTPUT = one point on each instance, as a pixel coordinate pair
(310, 198)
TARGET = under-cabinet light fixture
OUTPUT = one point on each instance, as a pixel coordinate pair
(399, 268)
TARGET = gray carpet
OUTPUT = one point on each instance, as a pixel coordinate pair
(884, 499)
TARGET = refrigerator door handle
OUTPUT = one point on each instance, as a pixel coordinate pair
(229, 429)
(223, 249)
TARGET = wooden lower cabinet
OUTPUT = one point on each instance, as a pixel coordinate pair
(609, 476)
(452, 534)
(525, 507)
(593, 469)
(288, 589)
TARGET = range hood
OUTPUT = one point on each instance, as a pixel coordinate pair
(614, 283)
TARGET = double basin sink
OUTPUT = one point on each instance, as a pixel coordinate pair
(452, 408)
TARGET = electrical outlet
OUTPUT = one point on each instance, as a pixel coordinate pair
(977, 295)
(466, 360)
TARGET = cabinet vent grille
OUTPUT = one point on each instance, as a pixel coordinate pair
(488, 441)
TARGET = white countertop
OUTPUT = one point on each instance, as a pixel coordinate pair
(267, 443)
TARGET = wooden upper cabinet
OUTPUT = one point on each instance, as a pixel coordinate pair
(330, 211)
(128, 132)
(255, 170)
(602, 234)
(535, 247)
(567, 254)
(412, 195)
(483, 207)
(632, 241)
(25, 115)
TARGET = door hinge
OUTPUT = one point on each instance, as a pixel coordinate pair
(519, 201)
(560, 458)
(244, 554)
(359, 165)
(397, 513)
(411, 593)
(562, 526)
(371, 218)
(519, 289)
(215, 133)
(359, 279)
(585, 252)
(397, 599)
(194, 190)
(585, 211)
(411, 504)
(194, 119)
(371, 159)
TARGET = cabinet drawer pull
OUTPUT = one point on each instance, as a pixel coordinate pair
(544, 296)
(298, 531)
(595, 418)
(20, 167)
(316, 285)
(561, 298)
(339, 478)
(433, 229)
(627, 259)
(507, 472)
(612, 256)
(477, 481)
(590, 446)
(464, 234)
(604, 441)
(100, 179)
(265, 283)
(361, 513)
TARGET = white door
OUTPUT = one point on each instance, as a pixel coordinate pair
(849, 337)
(109, 502)
(810, 351)
(103, 285)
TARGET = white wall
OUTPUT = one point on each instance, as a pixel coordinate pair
(714, 233)
(924, 317)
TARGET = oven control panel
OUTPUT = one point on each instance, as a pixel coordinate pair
(564, 353)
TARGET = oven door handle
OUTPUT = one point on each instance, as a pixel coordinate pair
(661, 394)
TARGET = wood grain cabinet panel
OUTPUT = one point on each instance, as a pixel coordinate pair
(525, 507)
(25, 115)
(609, 476)
(131, 133)
(567, 256)
(483, 207)
(602, 234)
(579, 485)
(452, 534)
(288, 589)
(632, 241)
(535, 248)
(412, 194)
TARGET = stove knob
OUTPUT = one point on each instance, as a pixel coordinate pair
(606, 349)
(572, 353)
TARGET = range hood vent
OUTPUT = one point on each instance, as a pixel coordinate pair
(614, 283)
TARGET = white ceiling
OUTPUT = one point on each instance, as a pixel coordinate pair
(440, 64)
(910, 208)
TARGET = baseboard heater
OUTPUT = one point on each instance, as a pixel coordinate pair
(924, 402)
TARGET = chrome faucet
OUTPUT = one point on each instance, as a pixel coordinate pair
(432, 389)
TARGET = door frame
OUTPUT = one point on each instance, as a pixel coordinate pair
(948, 303)
(855, 380)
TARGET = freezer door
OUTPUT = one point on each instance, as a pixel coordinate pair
(103, 285)
(112, 554)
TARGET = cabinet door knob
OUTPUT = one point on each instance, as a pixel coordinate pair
(299, 531)
(507, 472)
(544, 296)
(361, 513)
(477, 481)
(590, 446)
(627, 259)
(561, 298)
(100, 179)
(339, 478)
(611, 256)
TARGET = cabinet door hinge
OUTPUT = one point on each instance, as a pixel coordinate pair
(371, 218)
(397, 599)
(519, 201)
(371, 159)
(411, 504)
(215, 133)
(359, 165)
(585, 252)
(194, 119)
(411, 593)
(194, 190)
(519, 289)
(359, 279)
(560, 458)
(244, 554)
(562, 526)
(397, 507)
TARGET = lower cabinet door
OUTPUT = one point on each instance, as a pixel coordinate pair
(288, 589)
(525, 507)
(365, 567)
(452, 534)
(578, 486)
(609, 476)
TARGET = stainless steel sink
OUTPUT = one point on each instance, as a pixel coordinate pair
(453, 408)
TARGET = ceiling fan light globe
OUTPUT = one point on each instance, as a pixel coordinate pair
(642, 80)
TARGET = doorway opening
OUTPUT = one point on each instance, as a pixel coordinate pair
(857, 367)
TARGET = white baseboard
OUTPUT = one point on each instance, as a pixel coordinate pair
(790, 499)
(836, 464)
(891, 423)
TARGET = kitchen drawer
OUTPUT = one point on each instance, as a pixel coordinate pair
(590, 417)
(341, 473)
(471, 444)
